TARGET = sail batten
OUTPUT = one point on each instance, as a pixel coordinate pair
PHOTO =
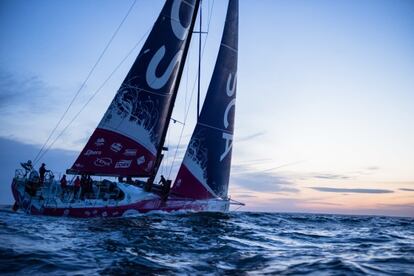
(128, 139)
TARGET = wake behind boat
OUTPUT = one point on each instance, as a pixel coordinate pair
(129, 141)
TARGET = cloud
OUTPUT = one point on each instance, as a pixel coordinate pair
(284, 165)
(351, 190)
(254, 161)
(406, 190)
(323, 203)
(261, 181)
(245, 196)
(331, 176)
(351, 175)
(22, 92)
(305, 201)
(248, 167)
(250, 137)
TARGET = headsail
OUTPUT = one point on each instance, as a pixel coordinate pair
(127, 139)
(205, 170)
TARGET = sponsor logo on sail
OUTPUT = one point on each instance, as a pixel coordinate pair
(116, 147)
(92, 152)
(228, 137)
(123, 164)
(99, 142)
(141, 160)
(78, 165)
(103, 162)
(130, 152)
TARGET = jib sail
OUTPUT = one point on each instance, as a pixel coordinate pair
(205, 170)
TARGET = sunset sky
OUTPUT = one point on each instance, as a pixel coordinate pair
(325, 96)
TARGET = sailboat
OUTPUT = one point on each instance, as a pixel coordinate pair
(129, 140)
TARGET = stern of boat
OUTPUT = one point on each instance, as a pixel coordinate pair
(17, 185)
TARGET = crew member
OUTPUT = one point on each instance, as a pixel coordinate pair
(162, 180)
(63, 184)
(89, 186)
(76, 185)
(165, 188)
(28, 167)
(42, 172)
(83, 184)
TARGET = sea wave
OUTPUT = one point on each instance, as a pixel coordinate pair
(207, 243)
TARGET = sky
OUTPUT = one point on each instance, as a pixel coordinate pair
(325, 96)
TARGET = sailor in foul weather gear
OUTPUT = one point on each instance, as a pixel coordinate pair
(77, 185)
(63, 184)
(162, 180)
(165, 188)
(42, 172)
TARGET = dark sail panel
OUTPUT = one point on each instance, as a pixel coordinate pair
(127, 138)
(205, 170)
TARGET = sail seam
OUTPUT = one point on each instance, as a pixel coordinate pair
(188, 3)
(229, 47)
(154, 93)
(216, 128)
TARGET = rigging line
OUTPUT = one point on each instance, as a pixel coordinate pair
(96, 92)
(215, 128)
(270, 169)
(164, 162)
(167, 153)
(191, 96)
(36, 159)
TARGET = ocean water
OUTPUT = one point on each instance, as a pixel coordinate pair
(236, 243)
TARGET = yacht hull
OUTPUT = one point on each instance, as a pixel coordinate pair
(136, 201)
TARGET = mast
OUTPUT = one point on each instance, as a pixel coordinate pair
(199, 61)
(159, 154)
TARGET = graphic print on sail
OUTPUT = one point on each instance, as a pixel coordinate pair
(127, 140)
(205, 170)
